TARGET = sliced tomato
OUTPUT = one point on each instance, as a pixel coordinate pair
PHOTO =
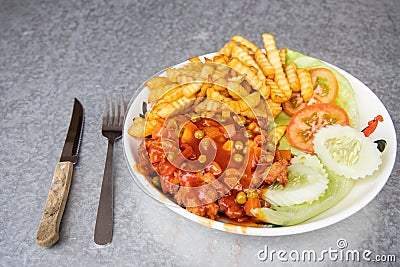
(306, 122)
(325, 85)
(294, 104)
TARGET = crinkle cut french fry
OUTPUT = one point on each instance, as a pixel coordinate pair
(249, 114)
(222, 66)
(242, 105)
(282, 56)
(227, 49)
(213, 93)
(151, 115)
(305, 84)
(263, 62)
(223, 97)
(208, 105)
(225, 93)
(243, 56)
(274, 59)
(261, 110)
(137, 129)
(163, 110)
(157, 82)
(238, 78)
(217, 75)
(293, 79)
(191, 89)
(245, 48)
(253, 99)
(273, 87)
(221, 81)
(219, 88)
(156, 94)
(240, 67)
(272, 52)
(265, 91)
(234, 105)
(192, 69)
(245, 42)
(253, 69)
(172, 95)
(172, 73)
(150, 125)
(275, 108)
(221, 59)
(284, 92)
(276, 133)
(245, 104)
(206, 71)
(194, 59)
(269, 42)
(203, 90)
(236, 90)
(184, 78)
(277, 94)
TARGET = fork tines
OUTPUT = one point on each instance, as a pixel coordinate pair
(113, 114)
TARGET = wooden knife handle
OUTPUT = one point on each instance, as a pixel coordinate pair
(47, 234)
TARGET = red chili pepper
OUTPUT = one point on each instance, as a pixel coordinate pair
(372, 125)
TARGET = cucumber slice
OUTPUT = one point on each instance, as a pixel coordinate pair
(307, 182)
(338, 188)
(346, 151)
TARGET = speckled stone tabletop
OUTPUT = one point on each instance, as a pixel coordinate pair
(53, 51)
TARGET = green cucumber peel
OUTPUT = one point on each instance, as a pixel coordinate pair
(338, 189)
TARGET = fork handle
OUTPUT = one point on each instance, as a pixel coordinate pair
(47, 234)
(104, 222)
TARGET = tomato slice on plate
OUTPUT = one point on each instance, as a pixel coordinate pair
(325, 85)
(306, 122)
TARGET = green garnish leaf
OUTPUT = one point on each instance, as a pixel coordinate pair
(381, 144)
(144, 108)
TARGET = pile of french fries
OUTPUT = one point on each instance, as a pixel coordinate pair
(240, 77)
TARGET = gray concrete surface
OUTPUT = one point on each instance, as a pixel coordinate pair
(53, 51)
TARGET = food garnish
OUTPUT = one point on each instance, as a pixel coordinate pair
(381, 144)
(372, 124)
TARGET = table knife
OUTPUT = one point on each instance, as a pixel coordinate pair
(48, 232)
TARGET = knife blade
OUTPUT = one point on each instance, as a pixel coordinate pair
(48, 232)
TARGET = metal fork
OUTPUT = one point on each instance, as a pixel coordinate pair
(112, 129)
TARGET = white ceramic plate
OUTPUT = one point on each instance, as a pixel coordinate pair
(363, 191)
